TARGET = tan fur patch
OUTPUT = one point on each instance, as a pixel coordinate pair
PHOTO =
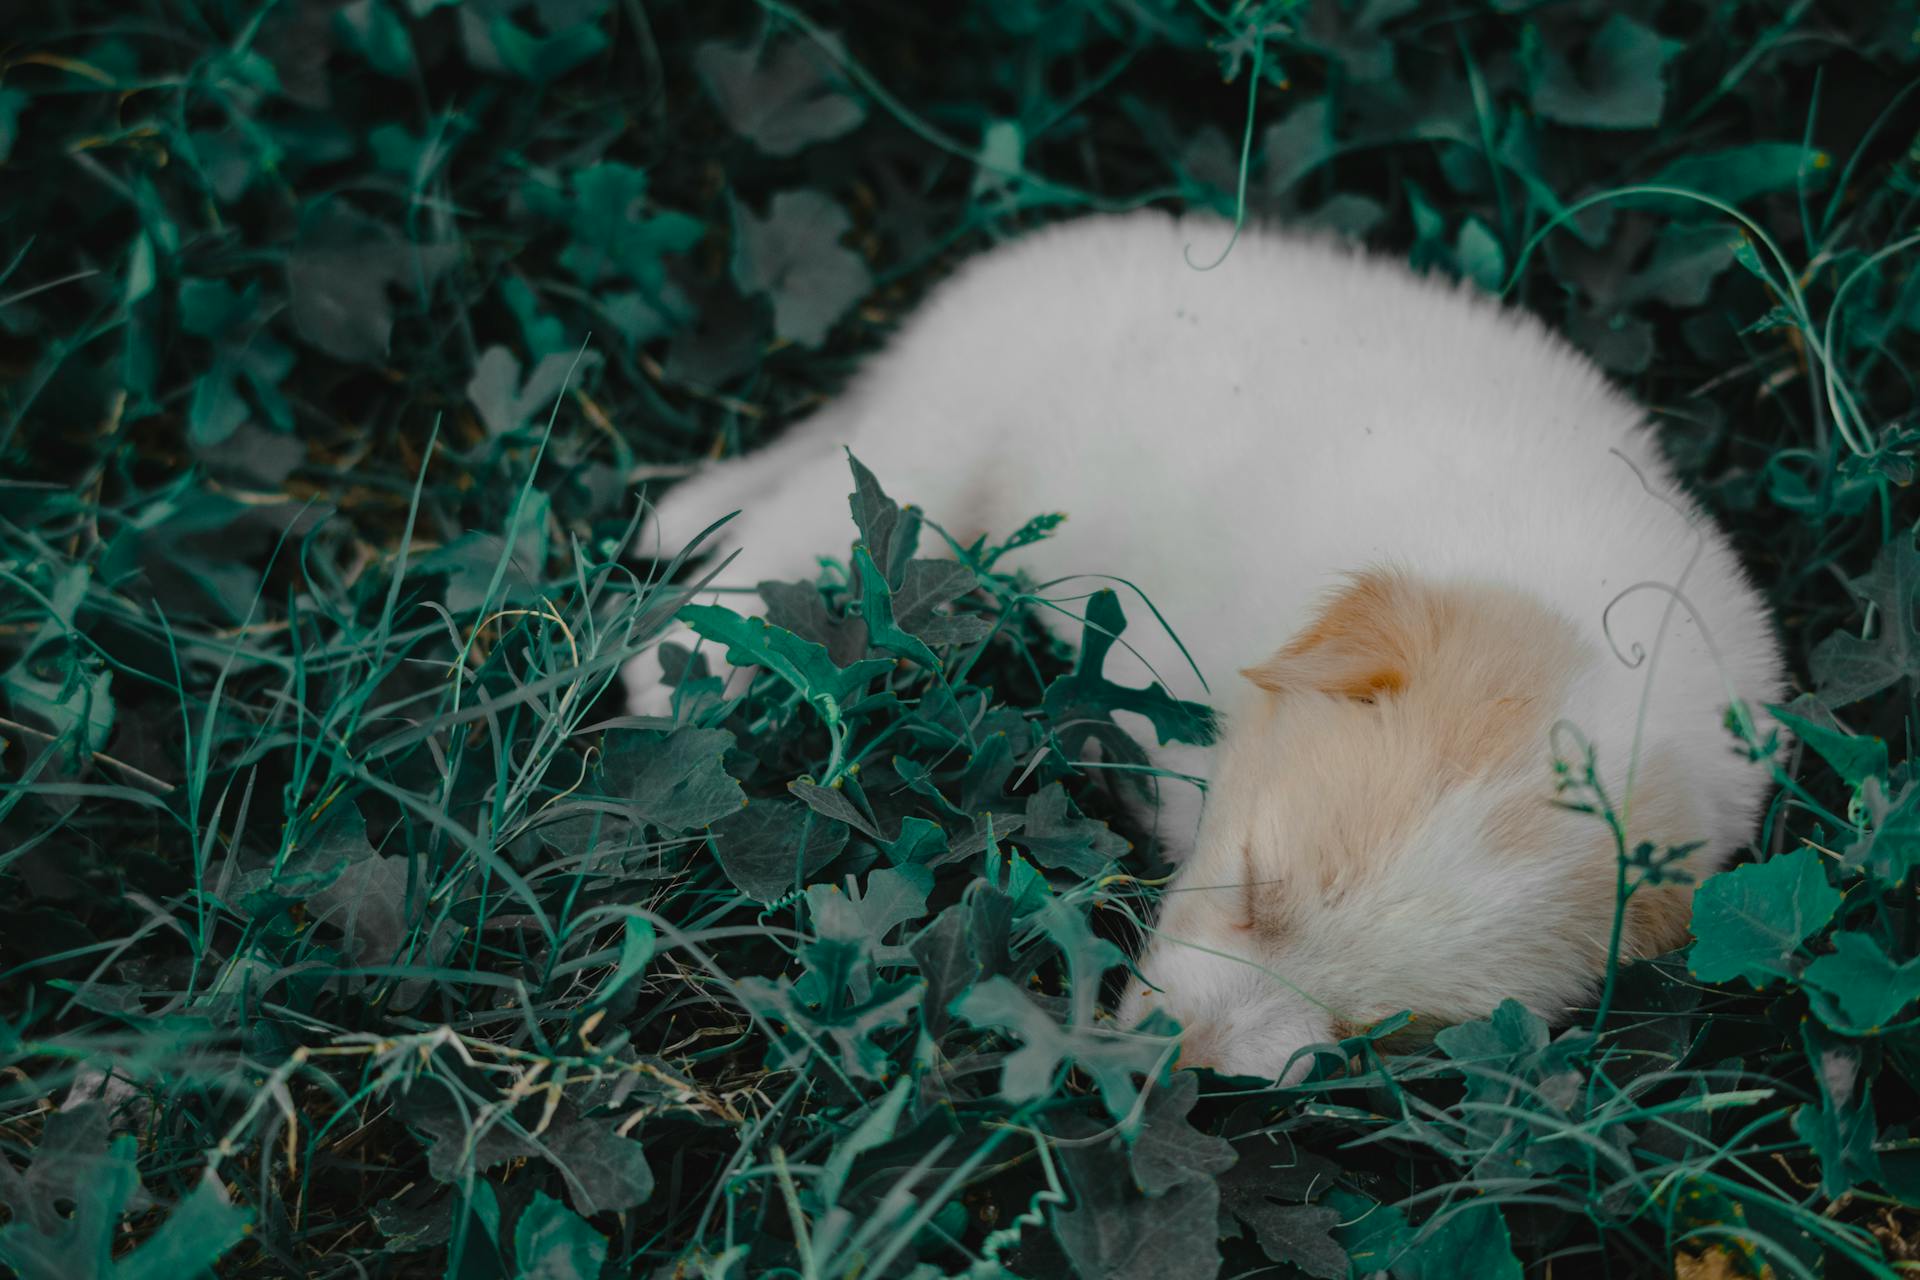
(1397, 690)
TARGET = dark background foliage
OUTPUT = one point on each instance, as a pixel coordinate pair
(349, 926)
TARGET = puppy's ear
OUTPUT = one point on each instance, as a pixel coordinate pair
(1362, 645)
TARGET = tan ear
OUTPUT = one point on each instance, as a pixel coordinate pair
(1361, 645)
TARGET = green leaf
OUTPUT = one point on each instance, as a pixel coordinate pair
(605, 1173)
(1299, 1234)
(890, 533)
(1890, 849)
(12, 103)
(552, 1242)
(544, 59)
(1112, 1235)
(340, 274)
(1842, 1129)
(1111, 1059)
(373, 31)
(802, 664)
(637, 942)
(1086, 699)
(1749, 922)
(1058, 837)
(615, 235)
(1298, 144)
(764, 846)
(64, 1213)
(1620, 83)
(1467, 1238)
(782, 97)
(1866, 984)
(875, 1129)
(1847, 668)
(1854, 757)
(1482, 258)
(197, 1233)
(1738, 174)
(795, 259)
(876, 606)
(506, 404)
(676, 781)
(1168, 1149)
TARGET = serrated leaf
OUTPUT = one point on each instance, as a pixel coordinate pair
(783, 96)
(1749, 922)
(1086, 699)
(552, 1242)
(676, 781)
(795, 259)
(1112, 1059)
(889, 532)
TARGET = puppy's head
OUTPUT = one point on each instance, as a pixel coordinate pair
(1381, 834)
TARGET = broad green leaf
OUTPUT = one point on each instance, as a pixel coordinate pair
(1114, 1234)
(198, 1232)
(1749, 922)
(1466, 1238)
(676, 781)
(876, 1128)
(794, 258)
(1890, 849)
(341, 273)
(1482, 258)
(1867, 985)
(605, 1173)
(552, 1242)
(783, 96)
(1297, 144)
(1738, 174)
(1296, 1233)
(1618, 83)
(767, 844)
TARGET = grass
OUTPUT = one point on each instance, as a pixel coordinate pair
(350, 926)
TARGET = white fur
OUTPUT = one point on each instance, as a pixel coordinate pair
(1233, 440)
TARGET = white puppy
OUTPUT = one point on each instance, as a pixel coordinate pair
(1419, 525)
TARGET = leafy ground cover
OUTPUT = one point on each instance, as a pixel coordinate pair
(349, 926)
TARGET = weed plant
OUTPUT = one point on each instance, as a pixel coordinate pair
(349, 924)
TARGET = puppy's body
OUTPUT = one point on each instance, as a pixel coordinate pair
(1426, 503)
